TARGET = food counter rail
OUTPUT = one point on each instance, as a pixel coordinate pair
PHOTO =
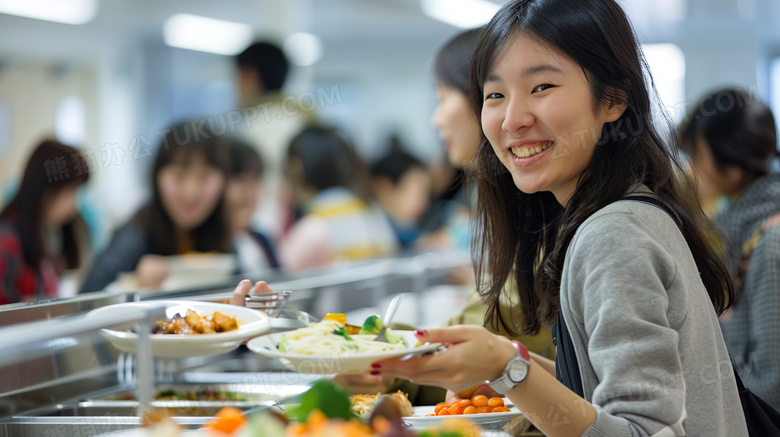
(58, 372)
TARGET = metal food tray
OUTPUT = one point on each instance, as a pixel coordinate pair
(251, 393)
(122, 409)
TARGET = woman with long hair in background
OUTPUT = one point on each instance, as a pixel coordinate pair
(39, 235)
(185, 214)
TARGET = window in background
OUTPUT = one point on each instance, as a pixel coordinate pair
(70, 121)
(774, 85)
(774, 100)
(645, 11)
(667, 65)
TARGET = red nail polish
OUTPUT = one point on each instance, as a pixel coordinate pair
(376, 365)
(375, 372)
(420, 333)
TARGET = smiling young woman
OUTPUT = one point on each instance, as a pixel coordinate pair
(563, 96)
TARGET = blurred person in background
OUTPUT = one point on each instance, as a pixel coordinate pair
(338, 221)
(39, 233)
(254, 250)
(460, 133)
(271, 120)
(185, 214)
(731, 140)
(401, 185)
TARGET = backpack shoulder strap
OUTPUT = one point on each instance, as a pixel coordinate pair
(657, 203)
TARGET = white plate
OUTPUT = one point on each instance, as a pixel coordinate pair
(251, 323)
(424, 422)
(335, 362)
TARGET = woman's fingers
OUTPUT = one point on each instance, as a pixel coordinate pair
(486, 391)
(439, 378)
(244, 287)
(414, 369)
(262, 287)
(450, 335)
(239, 294)
(451, 397)
(473, 356)
(364, 383)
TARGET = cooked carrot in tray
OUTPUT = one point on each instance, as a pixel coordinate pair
(479, 404)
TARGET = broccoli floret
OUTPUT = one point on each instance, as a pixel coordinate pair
(342, 331)
(393, 337)
(372, 325)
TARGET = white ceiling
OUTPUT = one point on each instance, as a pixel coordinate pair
(368, 27)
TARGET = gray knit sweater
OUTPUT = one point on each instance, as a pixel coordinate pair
(650, 351)
(752, 332)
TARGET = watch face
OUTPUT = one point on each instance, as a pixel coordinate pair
(518, 371)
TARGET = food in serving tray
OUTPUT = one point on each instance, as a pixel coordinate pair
(478, 404)
(157, 424)
(332, 335)
(202, 394)
(363, 405)
(193, 323)
(325, 411)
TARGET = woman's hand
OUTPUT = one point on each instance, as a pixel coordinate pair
(152, 271)
(474, 355)
(244, 287)
(364, 384)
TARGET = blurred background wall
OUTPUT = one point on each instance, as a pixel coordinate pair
(111, 82)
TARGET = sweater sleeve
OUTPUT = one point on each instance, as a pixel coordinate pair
(761, 371)
(618, 276)
(126, 248)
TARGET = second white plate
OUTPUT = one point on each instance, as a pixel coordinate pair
(421, 421)
(251, 323)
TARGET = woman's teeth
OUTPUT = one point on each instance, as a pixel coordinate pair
(527, 152)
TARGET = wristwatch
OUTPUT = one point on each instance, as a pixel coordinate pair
(515, 372)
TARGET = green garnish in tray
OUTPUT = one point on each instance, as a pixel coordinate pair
(325, 396)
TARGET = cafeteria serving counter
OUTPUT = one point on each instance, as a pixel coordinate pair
(59, 377)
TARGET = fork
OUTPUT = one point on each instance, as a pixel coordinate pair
(391, 309)
(272, 303)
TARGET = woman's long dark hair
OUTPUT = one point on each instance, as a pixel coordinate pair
(181, 143)
(51, 168)
(451, 67)
(527, 235)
